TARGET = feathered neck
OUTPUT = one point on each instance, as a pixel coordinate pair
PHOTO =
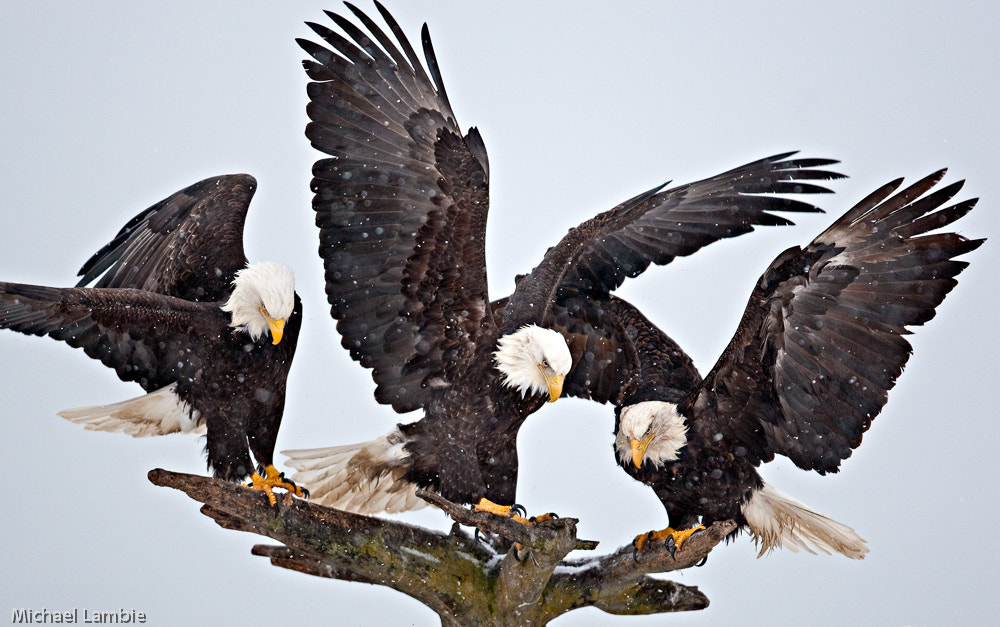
(531, 358)
(657, 428)
(264, 287)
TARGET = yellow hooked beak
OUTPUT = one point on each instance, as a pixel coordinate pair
(639, 450)
(555, 384)
(277, 326)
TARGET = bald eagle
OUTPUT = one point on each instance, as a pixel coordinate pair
(820, 344)
(176, 308)
(401, 205)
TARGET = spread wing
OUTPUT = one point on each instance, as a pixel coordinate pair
(189, 245)
(822, 340)
(401, 206)
(145, 337)
(655, 227)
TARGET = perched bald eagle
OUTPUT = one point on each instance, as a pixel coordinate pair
(177, 309)
(401, 205)
(820, 344)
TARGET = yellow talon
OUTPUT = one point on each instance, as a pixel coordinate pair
(273, 478)
(662, 535)
(486, 505)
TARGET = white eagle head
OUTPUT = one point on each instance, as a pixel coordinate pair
(651, 431)
(534, 360)
(262, 300)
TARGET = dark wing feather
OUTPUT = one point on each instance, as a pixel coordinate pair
(189, 245)
(657, 226)
(401, 205)
(145, 337)
(822, 340)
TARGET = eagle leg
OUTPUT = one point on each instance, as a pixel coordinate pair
(668, 535)
(268, 478)
(507, 511)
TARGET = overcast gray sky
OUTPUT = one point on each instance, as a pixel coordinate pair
(108, 107)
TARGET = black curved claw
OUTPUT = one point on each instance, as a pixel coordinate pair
(517, 509)
(520, 554)
(635, 545)
(293, 487)
(702, 562)
(670, 545)
(543, 517)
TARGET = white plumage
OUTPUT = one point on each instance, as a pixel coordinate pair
(528, 355)
(365, 478)
(264, 287)
(651, 418)
(157, 413)
(777, 520)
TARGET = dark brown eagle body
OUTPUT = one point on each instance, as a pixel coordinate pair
(708, 483)
(401, 205)
(484, 438)
(155, 316)
(821, 343)
(259, 369)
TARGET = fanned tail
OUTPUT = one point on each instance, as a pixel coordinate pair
(365, 478)
(157, 413)
(777, 520)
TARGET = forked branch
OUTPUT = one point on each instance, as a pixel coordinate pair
(511, 575)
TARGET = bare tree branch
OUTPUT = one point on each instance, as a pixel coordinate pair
(515, 575)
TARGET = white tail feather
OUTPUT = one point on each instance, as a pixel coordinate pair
(157, 413)
(365, 478)
(777, 520)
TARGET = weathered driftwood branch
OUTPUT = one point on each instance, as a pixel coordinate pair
(514, 575)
